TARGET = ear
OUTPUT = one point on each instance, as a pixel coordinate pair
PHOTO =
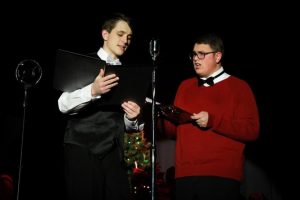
(105, 35)
(218, 57)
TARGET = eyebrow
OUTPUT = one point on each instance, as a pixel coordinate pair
(203, 51)
(124, 32)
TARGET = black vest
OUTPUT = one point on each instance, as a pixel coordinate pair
(98, 128)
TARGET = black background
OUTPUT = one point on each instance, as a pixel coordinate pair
(261, 45)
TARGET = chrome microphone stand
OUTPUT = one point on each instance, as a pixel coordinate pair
(154, 52)
(28, 73)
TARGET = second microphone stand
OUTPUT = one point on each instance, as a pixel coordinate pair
(154, 51)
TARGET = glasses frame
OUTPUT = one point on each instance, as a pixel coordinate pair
(200, 55)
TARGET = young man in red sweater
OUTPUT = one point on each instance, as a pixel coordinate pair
(209, 150)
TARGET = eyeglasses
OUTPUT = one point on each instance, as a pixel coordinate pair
(200, 55)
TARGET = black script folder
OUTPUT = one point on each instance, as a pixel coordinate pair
(175, 114)
(74, 71)
(133, 84)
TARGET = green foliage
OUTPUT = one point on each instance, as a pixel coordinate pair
(137, 151)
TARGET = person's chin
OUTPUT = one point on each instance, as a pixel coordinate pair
(198, 71)
(120, 52)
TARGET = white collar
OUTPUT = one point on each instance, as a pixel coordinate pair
(219, 78)
(103, 55)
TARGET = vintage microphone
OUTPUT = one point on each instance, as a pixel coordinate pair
(154, 49)
(28, 73)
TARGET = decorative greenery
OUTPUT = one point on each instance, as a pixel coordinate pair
(137, 157)
(137, 151)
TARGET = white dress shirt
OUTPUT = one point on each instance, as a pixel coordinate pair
(70, 102)
(219, 78)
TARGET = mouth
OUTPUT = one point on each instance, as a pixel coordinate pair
(197, 65)
(123, 48)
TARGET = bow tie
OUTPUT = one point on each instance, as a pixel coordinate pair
(210, 80)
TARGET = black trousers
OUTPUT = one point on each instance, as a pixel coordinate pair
(207, 188)
(91, 178)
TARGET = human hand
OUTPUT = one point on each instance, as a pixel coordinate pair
(103, 84)
(201, 118)
(131, 109)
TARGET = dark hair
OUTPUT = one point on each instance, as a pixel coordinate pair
(213, 40)
(111, 22)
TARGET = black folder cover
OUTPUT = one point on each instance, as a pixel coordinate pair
(133, 84)
(74, 71)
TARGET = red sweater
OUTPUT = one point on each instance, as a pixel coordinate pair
(233, 120)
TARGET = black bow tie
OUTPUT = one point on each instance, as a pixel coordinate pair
(210, 80)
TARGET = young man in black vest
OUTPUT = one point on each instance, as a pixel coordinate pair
(94, 134)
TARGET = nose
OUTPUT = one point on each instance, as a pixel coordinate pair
(125, 39)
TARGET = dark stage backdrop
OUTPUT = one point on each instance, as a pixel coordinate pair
(258, 48)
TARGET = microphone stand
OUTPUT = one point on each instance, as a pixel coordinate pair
(29, 73)
(153, 146)
(22, 140)
(154, 51)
